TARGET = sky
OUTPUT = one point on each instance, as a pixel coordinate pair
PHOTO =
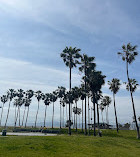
(33, 34)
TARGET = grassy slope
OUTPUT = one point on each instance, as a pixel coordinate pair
(124, 144)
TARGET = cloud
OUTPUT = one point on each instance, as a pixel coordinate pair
(92, 16)
(19, 74)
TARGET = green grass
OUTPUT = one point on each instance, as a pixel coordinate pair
(110, 145)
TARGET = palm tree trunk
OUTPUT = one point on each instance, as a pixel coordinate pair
(7, 114)
(82, 115)
(79, 121)
(63, 116)
(45, 116)
(36, 114)
(74, 121)
(66, 112)
(19, 116)
(53, 115)
(69, 132)
(134, 112)
(99, 133)
(88, 118)
(115, 114)
(94, 120)
(16, 116)
(76, 116)
(23, 115)
(85, 105)
(102, 117)
(107, 116)
(1, 114)
(27, 117)
(60, 115)
(15, 113)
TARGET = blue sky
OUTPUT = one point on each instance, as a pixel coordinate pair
(33, 34)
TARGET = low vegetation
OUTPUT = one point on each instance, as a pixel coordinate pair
(111, 144)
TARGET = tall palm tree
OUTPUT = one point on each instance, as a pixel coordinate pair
(86, 62)
(95, 81)
(70, 57)
(46, 98)
(128, 55)
(4, 99)
(61, 93)
(38, 95)
(53, 98)
(29, 95)
(114, 86)
(11, 94)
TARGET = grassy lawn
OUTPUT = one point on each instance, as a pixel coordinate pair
(113, 145)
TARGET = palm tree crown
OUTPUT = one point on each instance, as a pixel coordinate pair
(128, 53)
(114, 85)
(133, 83)
(70, 56)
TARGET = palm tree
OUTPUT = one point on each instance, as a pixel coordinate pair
(61, 92)
(128, 55)
(18, 102)
(4, 99)
(47, 101)
(53, 98)
(27, 102)
(70, 57)
(82, 97)
(114, 86)
(102, 109)
(20, 94)
(86, 62)
(95, 81)
(98, 96)
(76, 94)
(79, 112)
(68, 99)
(105, 101)
(29, 95)
(11, 94)
(38, 95)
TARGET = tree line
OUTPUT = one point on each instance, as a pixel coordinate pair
(90, 90)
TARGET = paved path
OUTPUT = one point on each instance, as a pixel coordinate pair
(29, 134)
